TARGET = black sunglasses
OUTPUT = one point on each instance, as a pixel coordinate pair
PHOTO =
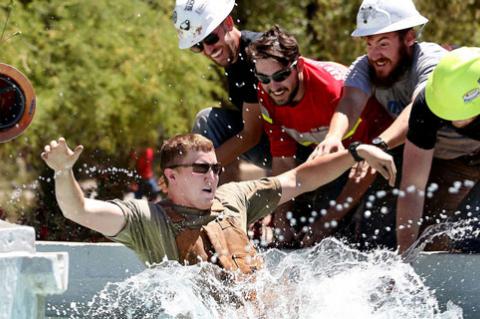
(279, 76)
(201, 168)
(211, 39)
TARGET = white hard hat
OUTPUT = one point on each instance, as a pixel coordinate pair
(382, 16)
(196, 19)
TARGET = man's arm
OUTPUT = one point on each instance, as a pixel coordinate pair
(100, 216)
(417, 163)
(348, 111)
(396, 133)
(246, 138)
(315, 173)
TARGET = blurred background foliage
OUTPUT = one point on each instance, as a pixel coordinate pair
(108, 74)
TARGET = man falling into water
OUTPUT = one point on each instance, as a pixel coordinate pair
(197, 222)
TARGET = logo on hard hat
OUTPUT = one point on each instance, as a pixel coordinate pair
(198, 31)
(201, 8)
(471, 95)
(185, 25)
(367, 13)
(189, 5)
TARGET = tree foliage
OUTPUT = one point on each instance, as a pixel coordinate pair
(107, 73)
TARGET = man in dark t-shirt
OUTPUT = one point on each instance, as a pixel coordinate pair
(205, 26)
(451, 99)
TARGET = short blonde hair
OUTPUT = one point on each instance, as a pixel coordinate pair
(177, 148)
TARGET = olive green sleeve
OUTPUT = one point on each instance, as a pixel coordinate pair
(146, 231)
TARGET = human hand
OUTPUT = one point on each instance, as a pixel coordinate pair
(328, 145)
(379, 161)
(59, 157)
(359, 171)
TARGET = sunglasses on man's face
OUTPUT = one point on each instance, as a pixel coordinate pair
(279, 76)
(202, 168)
(211, 39)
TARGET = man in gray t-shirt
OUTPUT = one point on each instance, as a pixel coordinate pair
(394, 70)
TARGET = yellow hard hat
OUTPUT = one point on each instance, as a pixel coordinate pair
(453, 88)
(17, 102)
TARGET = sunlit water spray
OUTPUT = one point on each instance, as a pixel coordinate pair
(330, 280)
(456, 231)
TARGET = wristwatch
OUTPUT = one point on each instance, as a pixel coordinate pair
(380, 143)
(352, 148)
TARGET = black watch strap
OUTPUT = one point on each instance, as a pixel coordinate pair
(380, 143)
(352, 148)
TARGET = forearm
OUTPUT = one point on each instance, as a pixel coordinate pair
(396, 133)
(236, 146)
(409, 213)
(417, 163)
(69, 195)
(325, 169)
(348, 111)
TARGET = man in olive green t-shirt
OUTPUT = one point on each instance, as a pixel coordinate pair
(197, 222)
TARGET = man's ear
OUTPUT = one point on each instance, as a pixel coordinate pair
(228, 23)
(410, 38)
(170, 175)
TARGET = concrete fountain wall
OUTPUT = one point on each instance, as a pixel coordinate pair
(27, 276)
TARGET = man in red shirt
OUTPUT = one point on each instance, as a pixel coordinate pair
(298, 98)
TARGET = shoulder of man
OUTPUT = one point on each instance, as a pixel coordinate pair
(244, 187)
(428, 53)
(138, 208)
(337, 70)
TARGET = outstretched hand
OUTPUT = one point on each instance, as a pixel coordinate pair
(59, 156)
(379, 161)
(327, 146)
(360, 170)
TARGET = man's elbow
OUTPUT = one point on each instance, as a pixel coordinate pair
(73, 214)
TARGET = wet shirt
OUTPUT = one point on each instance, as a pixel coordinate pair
(424, 132)
(242, 83)
(306, 122)
(396, 97)
(151, 234)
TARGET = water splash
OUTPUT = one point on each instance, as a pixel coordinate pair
(330, 280)
(457, 231)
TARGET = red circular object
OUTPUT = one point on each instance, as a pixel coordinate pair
(17, 103)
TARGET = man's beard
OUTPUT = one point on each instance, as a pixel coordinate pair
(404, 63)
(291, 96)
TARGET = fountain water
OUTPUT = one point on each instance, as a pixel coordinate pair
(330, 280)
